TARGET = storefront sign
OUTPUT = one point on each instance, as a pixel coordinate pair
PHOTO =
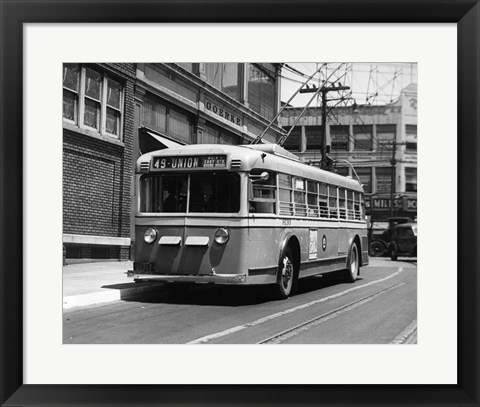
(220, 111)
(406, 204)
(208, 161)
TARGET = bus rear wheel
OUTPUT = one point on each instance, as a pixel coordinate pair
(285, 275)
(353, 264)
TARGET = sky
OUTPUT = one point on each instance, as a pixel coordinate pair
(370, 83)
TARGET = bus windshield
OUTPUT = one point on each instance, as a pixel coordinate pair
(211, 192)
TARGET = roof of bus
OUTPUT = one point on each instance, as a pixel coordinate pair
(251, 157)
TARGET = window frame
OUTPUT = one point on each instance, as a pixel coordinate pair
(81, 102)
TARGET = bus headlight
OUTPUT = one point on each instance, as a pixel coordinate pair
(221, 236)
(150, 235)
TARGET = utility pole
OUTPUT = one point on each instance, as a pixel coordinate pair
(392, 184)
(324, 90)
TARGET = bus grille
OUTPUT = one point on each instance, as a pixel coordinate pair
(236, 164)
(144, 166)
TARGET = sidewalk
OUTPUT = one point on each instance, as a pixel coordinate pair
(95, 283)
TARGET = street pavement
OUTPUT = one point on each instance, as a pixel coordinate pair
(101, 282)
(95, 283)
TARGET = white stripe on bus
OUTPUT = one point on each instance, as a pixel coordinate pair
(238, 328)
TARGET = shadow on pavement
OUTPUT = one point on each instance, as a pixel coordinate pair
(229, 296)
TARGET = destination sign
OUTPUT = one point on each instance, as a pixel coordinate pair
(203, 161)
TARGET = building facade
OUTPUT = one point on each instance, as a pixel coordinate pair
(380, 143)
(205, 103)
(98, 121)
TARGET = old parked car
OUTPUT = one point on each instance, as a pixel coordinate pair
(380, 235)
(404, 241)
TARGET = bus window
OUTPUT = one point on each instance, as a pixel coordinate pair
(323, 200)
(342, 210)
(312, 198)
(285, 194)
(214, 192)
(350, 211)
(299, 197)
(332, 201)
(262, 192)
(163, 193)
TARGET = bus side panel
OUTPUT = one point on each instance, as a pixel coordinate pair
(265, 243)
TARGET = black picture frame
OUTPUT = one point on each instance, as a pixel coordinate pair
(14, 13)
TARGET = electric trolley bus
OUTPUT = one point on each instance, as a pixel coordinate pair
(244, 215)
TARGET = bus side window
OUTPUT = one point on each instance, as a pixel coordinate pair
(323, 200)
(332, 202)
(285, 194)
(342, 211)
(350, 212)
(262, 192)
(299, 197)
(312, 199)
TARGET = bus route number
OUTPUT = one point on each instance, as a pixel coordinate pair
(286, 222)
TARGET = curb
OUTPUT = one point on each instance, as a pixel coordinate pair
(100, 297)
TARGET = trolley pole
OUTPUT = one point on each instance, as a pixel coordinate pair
(324, 90)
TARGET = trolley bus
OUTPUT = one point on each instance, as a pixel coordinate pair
(244, 215)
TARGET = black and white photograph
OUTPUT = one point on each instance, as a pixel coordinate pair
(183, 184)
(240, 203)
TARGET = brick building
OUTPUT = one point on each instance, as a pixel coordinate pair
(371, 138)
(98, 120)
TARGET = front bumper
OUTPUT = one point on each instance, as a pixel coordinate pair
(191, 278)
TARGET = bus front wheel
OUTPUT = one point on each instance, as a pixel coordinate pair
(286, 275)
(353, 264)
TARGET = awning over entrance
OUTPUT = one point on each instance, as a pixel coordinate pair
(149, 141)
(167, 143)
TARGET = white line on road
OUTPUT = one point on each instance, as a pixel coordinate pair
(207, 338)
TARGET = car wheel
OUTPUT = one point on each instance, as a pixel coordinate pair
(377, 249)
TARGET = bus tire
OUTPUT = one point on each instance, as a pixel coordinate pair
(353, 264)
(285, 275)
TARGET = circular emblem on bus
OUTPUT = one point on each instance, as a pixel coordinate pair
(324, 242)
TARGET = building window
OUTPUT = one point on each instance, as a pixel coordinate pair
(292, 143)
(261, 89)
(385, 137)
(339, 136)
(92, 100)
(362, 136)
(365, 176)
(410, 179)
(314, 137)
(215, 135)
(225, 77)
(384, 179)
(411, 138)
(71, 82)
(160, 116)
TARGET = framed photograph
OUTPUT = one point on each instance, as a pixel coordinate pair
(187, 75)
